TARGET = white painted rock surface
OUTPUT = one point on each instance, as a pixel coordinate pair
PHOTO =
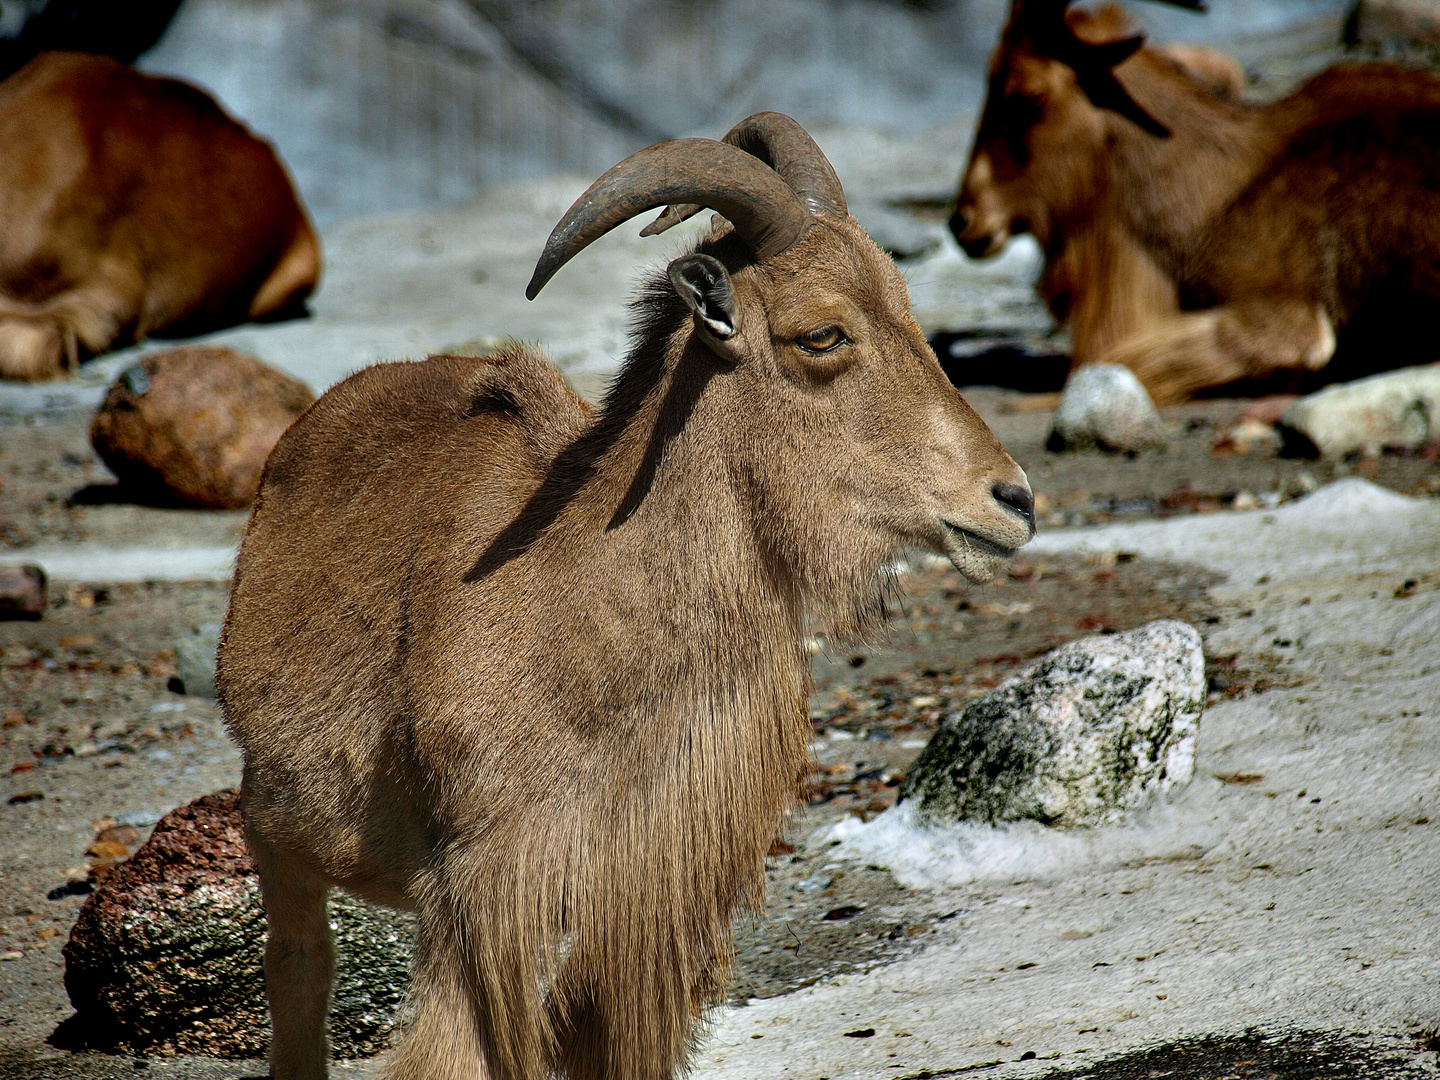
(1396, 409)
(1106, 406)
(1089, 731)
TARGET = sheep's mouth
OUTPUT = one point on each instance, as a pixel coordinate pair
(977, 557)
(973, 540)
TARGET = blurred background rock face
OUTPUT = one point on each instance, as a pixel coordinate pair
(381, 105)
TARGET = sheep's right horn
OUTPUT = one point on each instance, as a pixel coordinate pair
(765, 211)
(783, 144)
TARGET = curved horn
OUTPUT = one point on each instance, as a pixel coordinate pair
(1043, 22)
(767, 214)
(780, 142)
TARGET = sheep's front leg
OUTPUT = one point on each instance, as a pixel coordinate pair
(1198, 350)
(299, 965)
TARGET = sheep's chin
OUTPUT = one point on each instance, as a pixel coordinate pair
(977, 561)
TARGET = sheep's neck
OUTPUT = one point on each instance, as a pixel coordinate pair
(669, 578)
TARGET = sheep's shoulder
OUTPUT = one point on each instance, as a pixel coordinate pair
(425, 417)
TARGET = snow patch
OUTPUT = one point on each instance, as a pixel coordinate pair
(921, 855)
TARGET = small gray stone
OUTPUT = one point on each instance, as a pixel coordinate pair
(139, 818)
(1106, 406)
(1094, 728)
(22, 592)
(1397, 409)
(195, 659)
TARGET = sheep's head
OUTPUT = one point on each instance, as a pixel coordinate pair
(799, 334)
(1044, 129)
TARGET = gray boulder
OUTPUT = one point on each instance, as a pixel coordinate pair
(1105, 406)
(166, 955)
(1399, 409)
(1092, 729)
(896, 232)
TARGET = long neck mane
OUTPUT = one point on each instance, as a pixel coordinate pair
(679, 663)
(1166, 189)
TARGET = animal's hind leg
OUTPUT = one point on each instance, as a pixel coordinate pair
(442, 1039)
(1195, 351)
(299, 966)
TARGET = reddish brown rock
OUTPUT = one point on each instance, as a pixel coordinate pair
(194, 425)
(22, 592)
(166, 955)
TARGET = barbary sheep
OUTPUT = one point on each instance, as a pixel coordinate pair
(537, 672)
(132, 205)
(1197, 239)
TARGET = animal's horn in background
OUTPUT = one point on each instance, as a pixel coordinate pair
(764, 209)
(783, 144)
(1043, 22)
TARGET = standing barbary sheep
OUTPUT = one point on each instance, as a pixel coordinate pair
(537, 673)
(130, 205)
(1196, 239)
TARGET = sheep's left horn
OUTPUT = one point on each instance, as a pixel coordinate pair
(1043, 21)
(783, 144)
(765, 211)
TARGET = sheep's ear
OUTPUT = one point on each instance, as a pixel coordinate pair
(704, 284)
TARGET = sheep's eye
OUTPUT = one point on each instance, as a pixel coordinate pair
(822, 340)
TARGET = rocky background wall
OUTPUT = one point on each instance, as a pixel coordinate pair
(381, 105)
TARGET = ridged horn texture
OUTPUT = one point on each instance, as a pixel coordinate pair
(766, 212)
(780, 142)
(1043, 23)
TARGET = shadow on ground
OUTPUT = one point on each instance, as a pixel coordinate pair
(1256, 1056)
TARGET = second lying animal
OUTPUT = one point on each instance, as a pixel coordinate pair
(1196, 239)
(537, 672)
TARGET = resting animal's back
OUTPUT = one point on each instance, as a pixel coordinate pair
(399, 474)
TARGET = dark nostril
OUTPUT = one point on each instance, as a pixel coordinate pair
(959, 222)
(1016, 499)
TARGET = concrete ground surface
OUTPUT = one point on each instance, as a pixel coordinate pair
(1290, 926)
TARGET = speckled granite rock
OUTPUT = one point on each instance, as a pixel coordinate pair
(194, 425)
(1091, 729)
(166, 956)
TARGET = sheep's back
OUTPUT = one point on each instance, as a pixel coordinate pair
(372, 508)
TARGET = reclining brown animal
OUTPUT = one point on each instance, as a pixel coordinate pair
(131, 205)
(537, 673)
(1197, 240)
